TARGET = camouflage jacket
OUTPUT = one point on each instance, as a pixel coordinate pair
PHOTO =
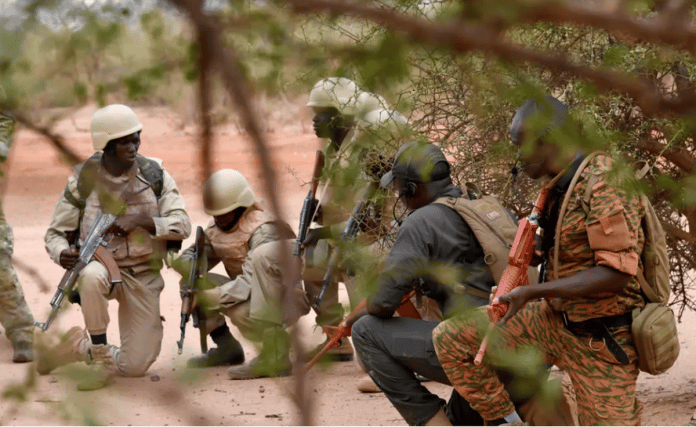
(6, 129)
(609, 234)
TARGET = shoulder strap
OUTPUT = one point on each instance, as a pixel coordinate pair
(86, 175)
(566, 201)
(152, 172)
(645, 287)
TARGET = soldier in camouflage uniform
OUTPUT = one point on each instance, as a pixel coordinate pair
(15, 315)
(579, 320)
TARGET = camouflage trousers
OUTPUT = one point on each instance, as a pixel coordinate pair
(605, 389)
(15, 315)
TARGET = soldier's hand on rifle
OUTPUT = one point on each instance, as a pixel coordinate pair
(123, 225)
(316, 234)
(69, 257)
(516, 299)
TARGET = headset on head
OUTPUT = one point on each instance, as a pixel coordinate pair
(408, 190)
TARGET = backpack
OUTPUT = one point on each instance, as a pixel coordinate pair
(493, 226)
(654, 327)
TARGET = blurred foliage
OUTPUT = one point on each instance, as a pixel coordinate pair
(67, 54)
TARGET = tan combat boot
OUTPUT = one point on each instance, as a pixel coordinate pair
(72, 346)
(366, 385)
(102, 368)
(272, 361)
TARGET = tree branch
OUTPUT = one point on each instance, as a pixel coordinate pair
(57, 140)
(465, 37)
(683, 159)
(679, 233)
(663, 28)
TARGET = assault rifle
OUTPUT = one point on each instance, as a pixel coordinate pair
(94, 247)
(309, 207)
(515, 274)
(349, 231)
(188, 294)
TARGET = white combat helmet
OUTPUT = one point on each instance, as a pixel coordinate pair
(112, 122)
(368, 101)
(225, 191)
(389, 120)
(382, 128)
(337, 92)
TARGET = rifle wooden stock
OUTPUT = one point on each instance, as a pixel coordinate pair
(343, 330)
(515, 273)
(308, 207)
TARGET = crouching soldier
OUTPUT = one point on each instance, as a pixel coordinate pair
(248, 242)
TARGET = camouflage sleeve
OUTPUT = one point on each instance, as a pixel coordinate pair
(614, 224)
(6, 130)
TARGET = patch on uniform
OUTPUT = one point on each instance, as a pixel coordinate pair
(493, 215)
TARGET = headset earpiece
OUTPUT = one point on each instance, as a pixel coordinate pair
(408, 190)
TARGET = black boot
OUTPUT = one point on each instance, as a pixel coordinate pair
(228, 351)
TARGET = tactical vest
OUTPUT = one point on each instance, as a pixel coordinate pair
(133, 194)
(232, 246)
(87, 174)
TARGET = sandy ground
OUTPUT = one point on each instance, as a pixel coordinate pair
(170, 394)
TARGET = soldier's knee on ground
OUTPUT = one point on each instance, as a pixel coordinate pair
(131, 366)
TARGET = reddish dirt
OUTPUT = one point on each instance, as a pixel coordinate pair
(168, 394)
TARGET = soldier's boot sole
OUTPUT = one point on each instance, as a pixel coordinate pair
(340, 353)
